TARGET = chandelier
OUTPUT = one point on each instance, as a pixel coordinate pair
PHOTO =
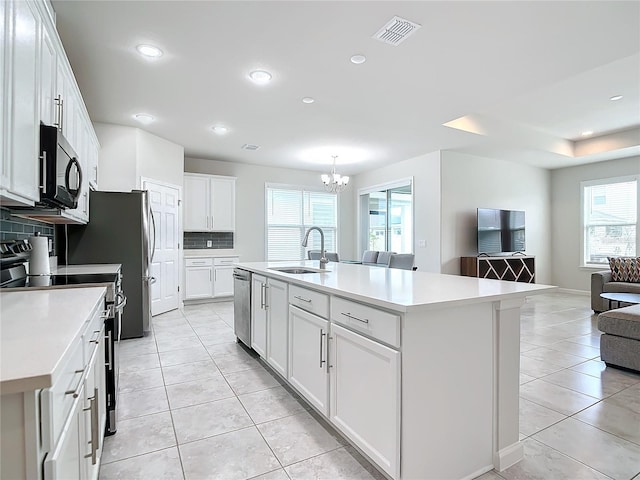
(334, 182)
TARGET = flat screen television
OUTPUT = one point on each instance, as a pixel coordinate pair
(500, 231)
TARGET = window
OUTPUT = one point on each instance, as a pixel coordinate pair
(290, 212)
(610, 218)
(386, 217)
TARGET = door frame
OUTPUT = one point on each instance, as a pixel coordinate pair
(180, 233)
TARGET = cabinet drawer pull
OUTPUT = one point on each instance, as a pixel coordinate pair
(308, 300)
(197, 263)
(76, 391)
(97, 337)
(95, 426)
(348, 315)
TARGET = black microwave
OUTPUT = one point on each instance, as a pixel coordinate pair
(60, 171)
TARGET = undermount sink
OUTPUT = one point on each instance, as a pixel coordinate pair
(298, 270)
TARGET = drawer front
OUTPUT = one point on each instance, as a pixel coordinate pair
(91, 335)
(198, 262)
(56, 401)
(226, 260)
(377, 324)
(309, 300)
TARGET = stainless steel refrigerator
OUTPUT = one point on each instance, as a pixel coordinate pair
(121, 229)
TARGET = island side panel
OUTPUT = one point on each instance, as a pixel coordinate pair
(507, 447)
(447, 392)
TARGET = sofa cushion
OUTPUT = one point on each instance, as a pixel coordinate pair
(623, 322)
(625, 269)
(621, 287)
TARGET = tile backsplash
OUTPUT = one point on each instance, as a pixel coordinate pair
(198, 240)
(16, 228)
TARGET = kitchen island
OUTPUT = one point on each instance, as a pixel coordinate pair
(52, 383)
(420, 371)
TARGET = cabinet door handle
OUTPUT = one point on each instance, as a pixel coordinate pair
(329, 338)
(308, 300)
(262, 296)
(58, 103)
(322, 360)
(95, 426)
(348, 315)
(266, 298)
(209, 274)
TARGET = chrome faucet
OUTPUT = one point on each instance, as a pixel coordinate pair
(323, 257)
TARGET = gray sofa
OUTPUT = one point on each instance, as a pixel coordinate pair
(601, 282)
(620, 342)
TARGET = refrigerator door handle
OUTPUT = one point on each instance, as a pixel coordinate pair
(153, 227)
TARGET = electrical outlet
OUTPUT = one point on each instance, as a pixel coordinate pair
(422, 243)
(209, 243)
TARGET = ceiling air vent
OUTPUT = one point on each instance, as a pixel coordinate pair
(396, 31)
(248, 146)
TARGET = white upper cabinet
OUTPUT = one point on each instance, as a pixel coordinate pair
(38, 86)
(209, 203)
(20, 107)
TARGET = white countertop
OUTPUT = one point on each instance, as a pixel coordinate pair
(36, 330)
(87, 269)
(399, 290)
(209, 252)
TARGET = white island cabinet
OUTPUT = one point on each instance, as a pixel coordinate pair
(52, 379)
(389, 357)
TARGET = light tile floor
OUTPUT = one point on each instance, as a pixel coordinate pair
(194, 404)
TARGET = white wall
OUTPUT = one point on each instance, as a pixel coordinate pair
(128, 153)
(159, 159)
(425, 171)
(470, 182)
(249, 237)
(566, 235)
(117, 157)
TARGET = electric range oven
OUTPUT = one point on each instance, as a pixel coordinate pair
(15, 278)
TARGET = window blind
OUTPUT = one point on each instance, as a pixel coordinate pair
(290, 212)
(610, 220)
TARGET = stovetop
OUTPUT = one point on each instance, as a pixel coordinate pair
(41, 281)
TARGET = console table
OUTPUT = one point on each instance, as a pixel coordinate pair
(520, 268)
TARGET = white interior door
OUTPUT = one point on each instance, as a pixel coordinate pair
(164, 200)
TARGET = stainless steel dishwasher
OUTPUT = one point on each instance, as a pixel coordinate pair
(242, 305)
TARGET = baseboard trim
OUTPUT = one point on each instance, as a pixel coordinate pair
(508, 456)
(586, 293)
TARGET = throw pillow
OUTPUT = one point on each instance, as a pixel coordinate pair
(625, 269)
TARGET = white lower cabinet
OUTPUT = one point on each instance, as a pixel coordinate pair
(308, 370)
(198, 282)
(269, 321)
(259, 314)
(208, 277)
(277, 326)
(365, 396)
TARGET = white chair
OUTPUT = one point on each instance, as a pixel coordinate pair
(402, 260)
(315, 255)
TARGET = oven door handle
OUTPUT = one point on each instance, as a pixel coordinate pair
(122, 301)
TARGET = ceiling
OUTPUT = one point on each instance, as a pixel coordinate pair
(513, 80)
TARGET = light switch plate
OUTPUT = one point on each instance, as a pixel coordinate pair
(209, 243)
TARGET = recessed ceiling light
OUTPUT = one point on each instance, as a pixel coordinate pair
(615, 97)
(260, 77)
(358, 59)
(149, 51)
(143, 118)
(588, 133)
(220, 129)
(308, 100)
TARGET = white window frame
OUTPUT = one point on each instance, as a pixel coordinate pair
(376, 188)
(298, 188)
(583, 236)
